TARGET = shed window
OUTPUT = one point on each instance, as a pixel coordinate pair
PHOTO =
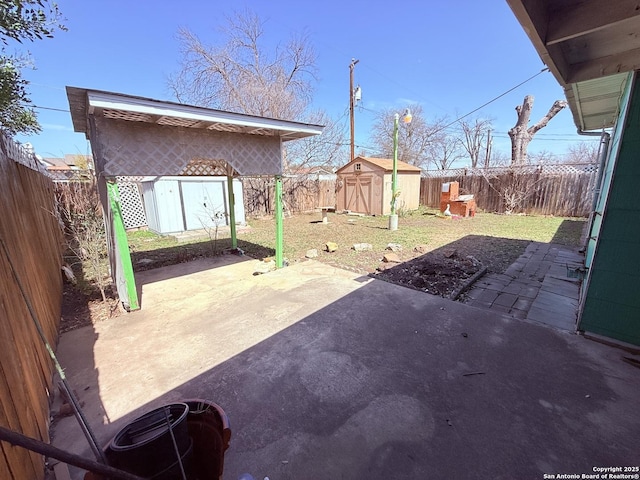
(358, 167)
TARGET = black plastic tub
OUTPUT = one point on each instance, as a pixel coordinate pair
(144, 447)
(209, 429)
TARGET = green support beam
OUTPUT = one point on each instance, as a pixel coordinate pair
(232, 213)
(122, 245)
(279, 224)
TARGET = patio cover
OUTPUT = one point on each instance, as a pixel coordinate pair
(590, 47)
(133, 135)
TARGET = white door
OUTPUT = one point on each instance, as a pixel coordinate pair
(204, 204)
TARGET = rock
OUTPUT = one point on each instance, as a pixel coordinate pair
(449, 252)
(312, 253)
(265, 267)
(394, 247)
(361, 247)
(422, 248)
(144, 261)
(391, 258)
(331, 247)
(65, 410)
(474, 260)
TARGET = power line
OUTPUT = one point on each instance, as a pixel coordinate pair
(51, 108)
(481, 106)
(492, 100)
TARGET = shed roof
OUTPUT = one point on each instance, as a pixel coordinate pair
(84, 102)
(384, 163)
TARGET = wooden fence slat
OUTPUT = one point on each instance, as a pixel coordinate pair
(32, 240)
(563, 190)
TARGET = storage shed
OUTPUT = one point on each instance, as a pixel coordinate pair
(364, 186)
(181, 203)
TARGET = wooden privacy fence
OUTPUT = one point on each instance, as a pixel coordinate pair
(562, 190)
(300, 194)
(31, 243)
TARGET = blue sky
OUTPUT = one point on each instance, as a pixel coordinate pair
(451, 57)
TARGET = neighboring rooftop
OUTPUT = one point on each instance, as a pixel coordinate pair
(386, 164)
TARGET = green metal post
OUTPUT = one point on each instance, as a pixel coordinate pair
(232, 213)
(122, 245)
(394, 174)
(279, 223)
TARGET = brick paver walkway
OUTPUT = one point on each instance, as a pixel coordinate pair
(536, 287)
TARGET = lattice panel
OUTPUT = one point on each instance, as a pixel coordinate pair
(132, 179)
(131, 205)
(127, 148)
(177, 122)
(19, 154)
(559, 169)
(200, 167)
(129, 116)
(222, 127)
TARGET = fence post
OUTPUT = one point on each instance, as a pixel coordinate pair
(122, 246)
(279, 223)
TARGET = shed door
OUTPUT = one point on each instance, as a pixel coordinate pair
(358, 194)
(204, 205)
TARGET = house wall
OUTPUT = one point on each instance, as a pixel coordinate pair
(607, 176)
(30, 284)
(611, 302)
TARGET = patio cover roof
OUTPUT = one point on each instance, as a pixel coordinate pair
(590, 46)
(133, 135)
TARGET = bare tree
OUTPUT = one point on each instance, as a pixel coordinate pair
(327, 150)
(521, 134)
(582, 152)
(445, 149)
(413, 138)
(475, 134)
(500, 159)
(243, 75)
(542, 156)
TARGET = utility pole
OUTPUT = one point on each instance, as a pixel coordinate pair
(351, 105)
(487, 157)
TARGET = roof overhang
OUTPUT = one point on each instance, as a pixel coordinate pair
(86, 102)
(590, 46)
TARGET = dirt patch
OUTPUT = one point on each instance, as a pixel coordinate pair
(444, 270)
(432, 273)
(80, 309)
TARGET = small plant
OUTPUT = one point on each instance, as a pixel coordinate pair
(213, 220)
(80, 209)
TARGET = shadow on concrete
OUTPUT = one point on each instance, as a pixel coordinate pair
(325, 376)
(443, 270)
(184, 252)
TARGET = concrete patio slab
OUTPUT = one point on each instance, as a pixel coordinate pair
(325, 374)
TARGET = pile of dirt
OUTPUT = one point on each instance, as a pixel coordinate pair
(437, 273)
(445, 270)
